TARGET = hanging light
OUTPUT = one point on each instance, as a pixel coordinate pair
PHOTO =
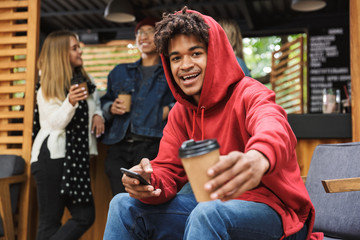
(119, 11)
(307, 5)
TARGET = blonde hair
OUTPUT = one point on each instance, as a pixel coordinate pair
(54, 65)
(233, 33)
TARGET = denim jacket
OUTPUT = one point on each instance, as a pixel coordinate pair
(147, 102)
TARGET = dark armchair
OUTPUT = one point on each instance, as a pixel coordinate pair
(333, 183)
(11, 175)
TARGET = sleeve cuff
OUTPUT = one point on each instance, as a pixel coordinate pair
(69, 105)
(106, 111)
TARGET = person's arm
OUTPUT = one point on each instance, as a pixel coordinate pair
(133, 185)
(107, 99)
(166, 110)
(106, 111)
(167, 173)
(111, 105)
(236, 173)
(271, 133)
(57, 114)
(97, 124)
(272, 143)
(96, 98)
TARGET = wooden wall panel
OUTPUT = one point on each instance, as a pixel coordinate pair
(100, 59)
(19, 30)
(287, 76)
(354, 67)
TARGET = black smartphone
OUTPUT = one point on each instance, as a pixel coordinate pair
(134, 175)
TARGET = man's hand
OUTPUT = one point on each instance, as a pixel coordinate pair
(235, 174)
(133, 186)
(118, 107)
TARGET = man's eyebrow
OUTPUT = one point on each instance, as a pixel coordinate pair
(173, 53)
(190, 49)
(195, 47)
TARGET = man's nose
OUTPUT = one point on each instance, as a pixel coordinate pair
(143, 35)
(187, 62)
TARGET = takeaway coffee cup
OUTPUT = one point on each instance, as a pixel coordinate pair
(126, 97)
(79, 79)
(197, 157)
(83, 85)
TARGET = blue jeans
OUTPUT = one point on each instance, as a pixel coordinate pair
(184, 218)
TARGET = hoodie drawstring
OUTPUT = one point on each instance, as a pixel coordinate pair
(193, 125)
(202, 123)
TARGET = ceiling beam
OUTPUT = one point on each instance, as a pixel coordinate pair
(69, 13)
(246, 13)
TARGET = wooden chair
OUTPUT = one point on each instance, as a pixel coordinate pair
(333, 183)
(11, 175)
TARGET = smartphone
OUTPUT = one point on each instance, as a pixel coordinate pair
(134, 175)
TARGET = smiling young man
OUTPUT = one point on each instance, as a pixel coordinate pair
(132, 135)
(188, 59)
(256, 186)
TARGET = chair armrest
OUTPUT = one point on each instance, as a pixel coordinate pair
(341, 185)
(5, 203)
(13, 179)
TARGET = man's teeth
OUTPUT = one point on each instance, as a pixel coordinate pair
(190, 76)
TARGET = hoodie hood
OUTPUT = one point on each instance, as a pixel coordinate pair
(222, 69)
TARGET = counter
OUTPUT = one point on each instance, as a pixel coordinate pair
(314, 129)
(318, 126)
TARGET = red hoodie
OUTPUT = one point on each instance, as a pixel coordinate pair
(241, 114)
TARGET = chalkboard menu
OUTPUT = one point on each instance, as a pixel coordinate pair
(329, 64)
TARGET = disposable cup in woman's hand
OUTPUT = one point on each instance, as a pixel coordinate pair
(80, 80)
(83, 85)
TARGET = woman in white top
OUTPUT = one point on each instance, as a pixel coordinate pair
(70, 120)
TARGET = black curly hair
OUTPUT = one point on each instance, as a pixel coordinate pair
(184, 22)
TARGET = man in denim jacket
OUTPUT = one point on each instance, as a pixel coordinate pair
(132, 135)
